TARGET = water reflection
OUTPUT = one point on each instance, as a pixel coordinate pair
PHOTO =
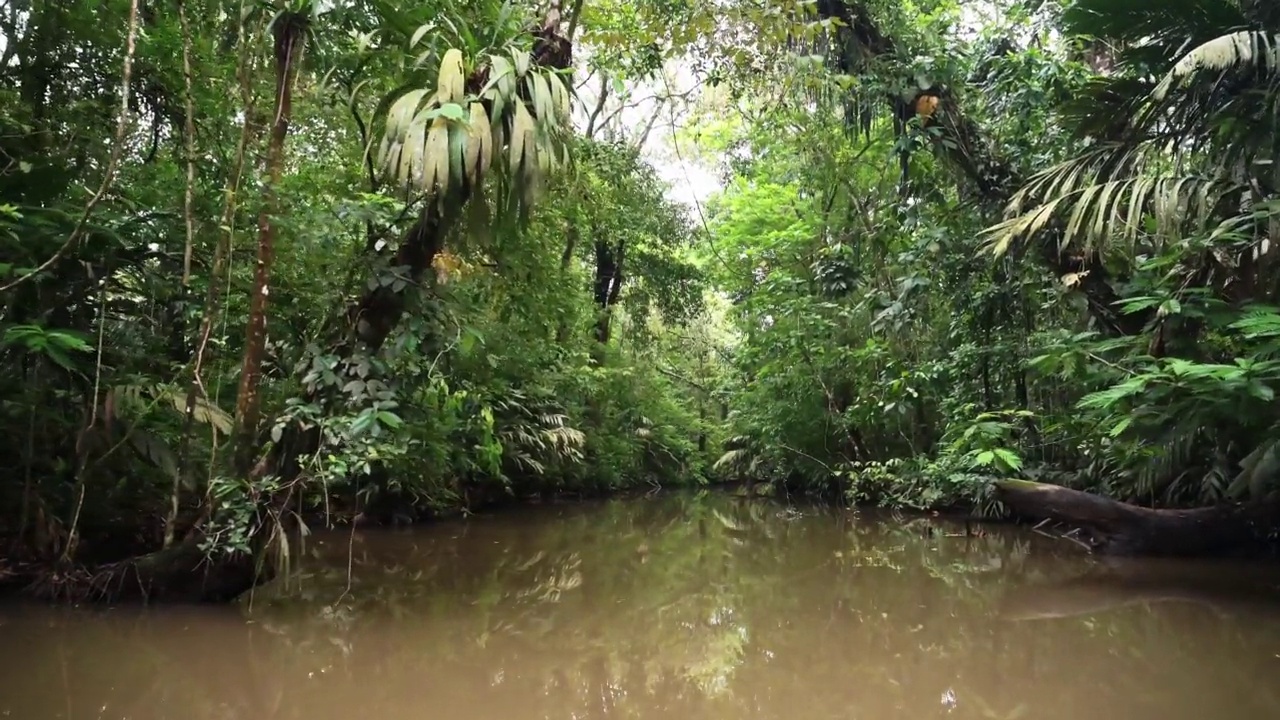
(674, 607)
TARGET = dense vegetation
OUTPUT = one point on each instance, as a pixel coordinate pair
(280, 262)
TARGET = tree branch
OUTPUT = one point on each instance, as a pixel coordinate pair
(675, 376)
(604, 94)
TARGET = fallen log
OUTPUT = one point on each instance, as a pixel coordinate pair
(1117, 528)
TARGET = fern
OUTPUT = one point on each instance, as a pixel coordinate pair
(734, 459)
(535, 438)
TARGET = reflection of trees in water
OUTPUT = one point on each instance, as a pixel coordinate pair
(679, 606)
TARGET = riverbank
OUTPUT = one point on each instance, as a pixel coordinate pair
(53, 582)
(1108, 527)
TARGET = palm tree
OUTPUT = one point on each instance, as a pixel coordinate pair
(1195, 90)
(494, 120)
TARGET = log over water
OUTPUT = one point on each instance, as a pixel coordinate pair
(1118, 528)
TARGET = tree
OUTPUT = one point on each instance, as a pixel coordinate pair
(289, 30)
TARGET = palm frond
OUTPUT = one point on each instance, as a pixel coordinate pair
(1103, 107)
(733, 460)
(1223, 54)
(1104, 195)
(450, 137)
(1155, 179)
(1225, 89)
(535, 438)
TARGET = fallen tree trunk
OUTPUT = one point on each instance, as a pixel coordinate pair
(1118, 528)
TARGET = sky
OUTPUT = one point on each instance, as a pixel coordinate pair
(690, 181)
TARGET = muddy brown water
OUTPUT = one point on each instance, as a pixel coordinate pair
(677, 606)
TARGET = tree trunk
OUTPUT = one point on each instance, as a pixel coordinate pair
(1117, 528)
(566, 261)
(608, 285)
(180, 573)
(290, 33)
(379, 311)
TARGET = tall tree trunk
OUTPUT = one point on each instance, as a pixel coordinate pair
(289, 34)
(566, 261)
(188, 215)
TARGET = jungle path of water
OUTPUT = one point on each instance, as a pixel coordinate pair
(676, 606)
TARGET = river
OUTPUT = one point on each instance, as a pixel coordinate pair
(675, 606)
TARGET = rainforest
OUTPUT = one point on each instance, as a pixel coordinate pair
(275, 267)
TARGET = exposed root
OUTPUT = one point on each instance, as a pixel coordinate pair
(182, 573)
(61, 584)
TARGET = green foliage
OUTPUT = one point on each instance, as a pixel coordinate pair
(832, 320)
(884, 353)
(121, 357)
